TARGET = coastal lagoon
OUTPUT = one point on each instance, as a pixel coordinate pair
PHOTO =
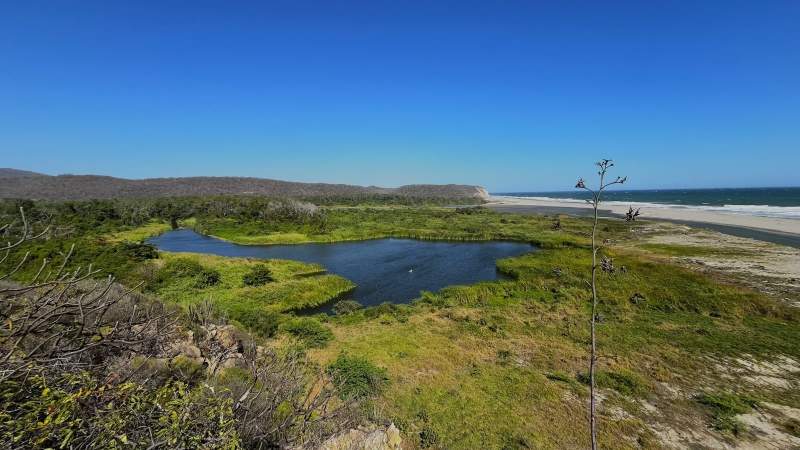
(385, 270)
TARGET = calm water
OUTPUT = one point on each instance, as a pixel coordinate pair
(393, 270)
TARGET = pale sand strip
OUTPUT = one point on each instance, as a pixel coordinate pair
(791, 226)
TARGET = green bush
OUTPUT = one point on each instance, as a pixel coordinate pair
(399, 313)
(187, 268)
(428, 437)
(138, 251)
(257, 276)
(310, 331)
(76, 411)
(344, 307)
(624, 382)
(724, 408)
(356, 378)
(504, 356)
(263, 323)
(207, 278)
(182, 267)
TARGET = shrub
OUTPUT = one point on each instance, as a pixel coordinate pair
(182, 267)
(356, 377)
(504, 356)
(400, 313)
(624, 382)
(139, 251)
(346, 307)
(310, 331)
(724, 408)
(258, 276)
(263, 323)
(560, 377)
(472, 210)
(428, 437)
(515, 442)
(188, 268)
(207, 278)
(74, 411)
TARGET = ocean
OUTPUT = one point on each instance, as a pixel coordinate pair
(782, 202)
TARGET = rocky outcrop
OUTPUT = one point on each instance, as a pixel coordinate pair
(217, 347)
(378, 438)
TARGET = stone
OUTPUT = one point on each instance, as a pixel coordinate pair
(365, 439)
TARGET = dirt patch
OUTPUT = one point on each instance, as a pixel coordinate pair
(766, 267)
(781, 372)
(764, 425)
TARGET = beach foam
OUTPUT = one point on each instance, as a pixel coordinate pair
(781, 212)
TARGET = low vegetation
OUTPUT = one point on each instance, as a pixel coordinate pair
(91, 364)
(240, 288)
(724, 407)
(309, 331)
(258, 276)
(492, 365)
(356, 377)
(360, 223)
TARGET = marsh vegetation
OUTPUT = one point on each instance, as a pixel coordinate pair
(382, 270)
(495, 364)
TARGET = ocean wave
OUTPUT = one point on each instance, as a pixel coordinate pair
(781, 212)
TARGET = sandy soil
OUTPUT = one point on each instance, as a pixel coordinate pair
(741, 220)
(769, 268)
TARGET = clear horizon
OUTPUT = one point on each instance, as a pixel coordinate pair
(516, 97)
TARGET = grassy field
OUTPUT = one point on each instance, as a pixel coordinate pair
(359, 223)
(694, 250)
(502, 364)
(138, 234)
(295, 285)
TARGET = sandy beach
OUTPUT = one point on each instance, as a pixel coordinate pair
(780, 225)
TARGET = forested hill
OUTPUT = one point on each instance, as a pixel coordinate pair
(29, 185)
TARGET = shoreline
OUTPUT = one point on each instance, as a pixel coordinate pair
(775, 230)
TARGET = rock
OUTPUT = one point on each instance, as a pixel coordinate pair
(189, 350)
(393, 440)
(226, 335)
(365, 439)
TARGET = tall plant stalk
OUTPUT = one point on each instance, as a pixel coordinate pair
(606, 265)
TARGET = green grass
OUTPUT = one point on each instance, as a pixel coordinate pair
(500, 364)
(624, 382)
(724, 407)
(356, 377)
(486, 365)
(360, 223)
(140, 233)
(309, 331)
(695, 250)
(296, 286)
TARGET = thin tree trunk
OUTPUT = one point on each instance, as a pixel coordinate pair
(604, 165)
(593, 356)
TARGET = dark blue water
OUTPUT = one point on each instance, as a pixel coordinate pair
(393, 270)
(767, 202)
(782, 196)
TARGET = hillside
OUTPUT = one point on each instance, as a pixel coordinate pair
(29, 185)
(15, 173)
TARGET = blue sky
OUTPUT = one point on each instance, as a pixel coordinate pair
(511, 95)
